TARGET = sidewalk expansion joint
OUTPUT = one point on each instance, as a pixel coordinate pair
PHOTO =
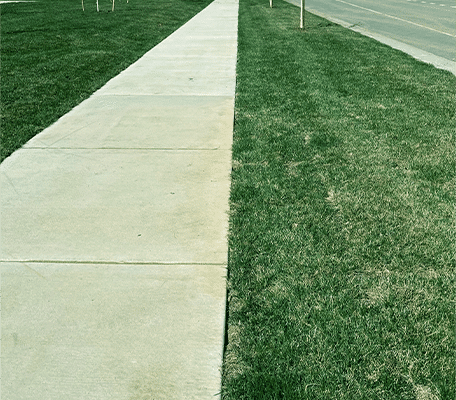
(190, 94)
(124, 148)
(107, 262)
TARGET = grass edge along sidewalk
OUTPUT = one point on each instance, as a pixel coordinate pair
(341, 269)
(54, 55)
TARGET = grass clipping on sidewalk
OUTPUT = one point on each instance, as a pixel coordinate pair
(54, 55)
(341, 268)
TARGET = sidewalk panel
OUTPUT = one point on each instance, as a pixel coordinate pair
(143, 122)
(157, 206)
(111, 332)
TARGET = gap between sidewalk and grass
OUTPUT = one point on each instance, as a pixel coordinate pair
(54, 55)
(341, 267)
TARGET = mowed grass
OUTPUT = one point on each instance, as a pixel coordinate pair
(54, 55)
(341, 267)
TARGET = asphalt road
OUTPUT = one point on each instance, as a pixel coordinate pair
(429, 25)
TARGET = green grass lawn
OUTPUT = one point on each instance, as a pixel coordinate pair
(341, 267)
(54, 55)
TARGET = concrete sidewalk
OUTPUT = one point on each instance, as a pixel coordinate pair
(114, 228)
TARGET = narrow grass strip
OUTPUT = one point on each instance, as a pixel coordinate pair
(54, 55)
(341, 269)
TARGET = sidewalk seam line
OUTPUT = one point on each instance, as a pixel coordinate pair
(164, 94)
(123, 148)
(164, 263)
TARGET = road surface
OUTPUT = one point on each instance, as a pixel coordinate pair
(428, 25)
